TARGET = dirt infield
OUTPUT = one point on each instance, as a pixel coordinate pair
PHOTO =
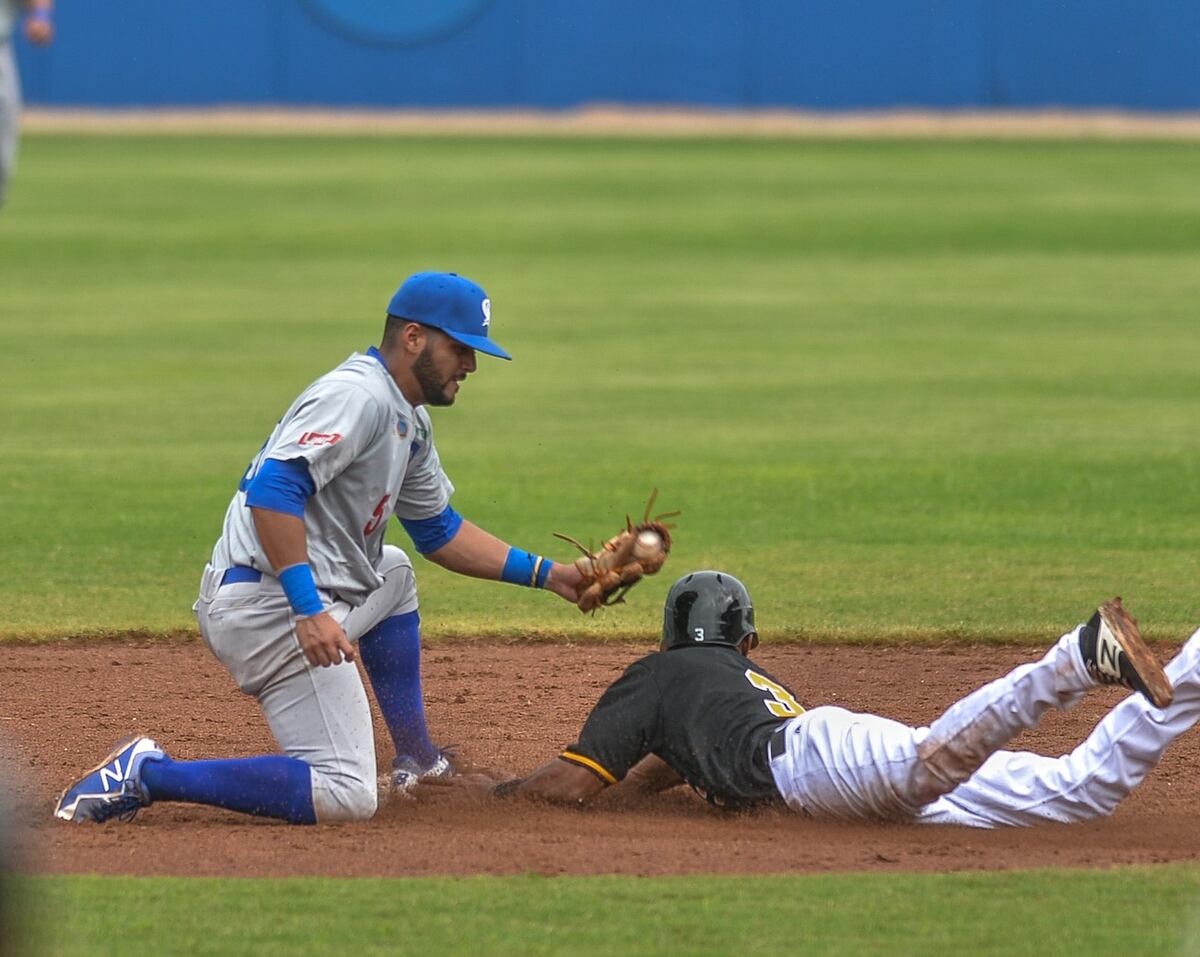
(63, 705)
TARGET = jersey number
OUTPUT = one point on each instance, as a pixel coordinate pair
(378, 517)
(783, 705)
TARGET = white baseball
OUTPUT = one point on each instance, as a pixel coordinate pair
(648, 543)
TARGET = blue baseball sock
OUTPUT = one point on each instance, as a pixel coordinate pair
(268, 786)
(391, 654)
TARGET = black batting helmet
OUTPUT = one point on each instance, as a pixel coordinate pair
(710, 608)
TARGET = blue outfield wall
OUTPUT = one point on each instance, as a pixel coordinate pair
(804, 54)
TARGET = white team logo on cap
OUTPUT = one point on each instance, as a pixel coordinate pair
(487, 312)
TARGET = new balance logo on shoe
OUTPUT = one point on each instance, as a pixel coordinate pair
(110, 777)
(1114, 653)
(113, 788)
(1107, 654)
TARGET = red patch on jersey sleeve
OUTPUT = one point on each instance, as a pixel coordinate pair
(320, 438)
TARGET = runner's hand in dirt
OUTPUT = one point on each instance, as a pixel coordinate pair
(478, 783)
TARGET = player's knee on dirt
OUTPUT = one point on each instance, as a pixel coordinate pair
(343, 798)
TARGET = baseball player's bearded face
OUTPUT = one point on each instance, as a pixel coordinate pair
(441, 366)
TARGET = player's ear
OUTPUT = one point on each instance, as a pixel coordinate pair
(749, 643)
(413, 336)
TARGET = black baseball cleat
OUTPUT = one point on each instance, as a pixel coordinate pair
(1115, 654)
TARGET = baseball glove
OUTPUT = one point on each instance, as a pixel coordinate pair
(622, 561)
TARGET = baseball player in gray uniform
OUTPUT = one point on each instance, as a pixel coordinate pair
(301, 579)
(39, 29)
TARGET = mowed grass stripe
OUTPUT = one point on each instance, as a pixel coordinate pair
(902, 388)
(1125, 911)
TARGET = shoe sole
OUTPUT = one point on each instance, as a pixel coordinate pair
(112, 756)
(1144, 661)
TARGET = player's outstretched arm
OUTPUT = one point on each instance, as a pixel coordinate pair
(649, 776)
(557, 781)
(480, 554)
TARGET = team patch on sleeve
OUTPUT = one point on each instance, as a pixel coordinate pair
(319, 438)
(585, 762)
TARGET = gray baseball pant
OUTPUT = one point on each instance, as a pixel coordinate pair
(319, 715)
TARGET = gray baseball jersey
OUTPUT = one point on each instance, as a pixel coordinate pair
(370, 455)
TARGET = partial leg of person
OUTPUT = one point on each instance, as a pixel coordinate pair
(387, 627)
(10, 114)
(1020, 788)
(322, 721)
(319, 716)
(857, 766)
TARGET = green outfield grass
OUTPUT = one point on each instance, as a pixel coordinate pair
(901, 388)
(1127, 911)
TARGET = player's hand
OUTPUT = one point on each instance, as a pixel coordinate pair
(323, 641)
(38, 30)
(477, 784)
(565, 580)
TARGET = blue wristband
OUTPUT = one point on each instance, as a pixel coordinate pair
(301, 590)
(526, 568)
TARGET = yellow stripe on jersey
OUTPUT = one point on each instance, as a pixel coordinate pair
(589, 764)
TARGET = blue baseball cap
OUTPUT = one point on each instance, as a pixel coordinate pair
(451, 303)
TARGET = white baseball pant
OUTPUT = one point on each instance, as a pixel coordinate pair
(836, 763)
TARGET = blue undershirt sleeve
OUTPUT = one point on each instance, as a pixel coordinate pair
(430, 534)
(281, 487)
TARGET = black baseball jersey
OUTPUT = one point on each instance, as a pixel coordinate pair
(706, 710)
